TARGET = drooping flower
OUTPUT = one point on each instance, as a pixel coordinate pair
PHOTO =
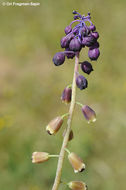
(76, 162)
(59, 58)
(93, 54)
(89, 113)
(77, 185)
(66, 95)
(54, 125)
(81, 82)
(39, 157)
(86, 67)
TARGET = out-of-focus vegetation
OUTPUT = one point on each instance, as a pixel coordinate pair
(31, 86)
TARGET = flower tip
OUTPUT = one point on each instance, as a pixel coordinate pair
(32, 158)
(33, 161)
(93, 120)
(49, 131)
(81, 169)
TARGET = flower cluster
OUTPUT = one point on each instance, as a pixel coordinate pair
(76, 38)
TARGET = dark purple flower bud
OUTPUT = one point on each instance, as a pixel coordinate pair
(59, 58)
(66, 95)
(95, 35)
(71, 135)
(68, 29)
(81, 82)
(85, 32)
(76, 17)
(66, 40)
(69, 55)
(93, 54)
(86, 67)
(75, 45)
(92, 27)
(74, 12)
(95, 45)
(83, 42)
(89, 114)
(88, 41)
(75, 31)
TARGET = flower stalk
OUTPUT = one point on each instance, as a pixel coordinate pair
(69, 121)
(76, 38)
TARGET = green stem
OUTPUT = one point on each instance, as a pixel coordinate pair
(67, 150)
(69, 86)
(53, 156)
(65, 183)
(64, 115)
(69, 121)
(79, 104)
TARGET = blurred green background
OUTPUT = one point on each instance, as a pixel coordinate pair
(31, 86)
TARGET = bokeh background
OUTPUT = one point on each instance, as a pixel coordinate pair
(31, 86)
